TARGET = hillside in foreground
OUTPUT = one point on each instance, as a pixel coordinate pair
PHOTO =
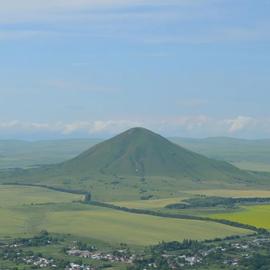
(135, 164)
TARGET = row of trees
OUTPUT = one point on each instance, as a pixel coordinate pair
(216, 201)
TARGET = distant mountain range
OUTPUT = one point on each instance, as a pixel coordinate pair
(135, 164)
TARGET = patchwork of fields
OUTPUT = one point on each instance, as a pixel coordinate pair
(26, 211)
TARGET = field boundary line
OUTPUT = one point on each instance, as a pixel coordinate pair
(143, 211)
(176, 216)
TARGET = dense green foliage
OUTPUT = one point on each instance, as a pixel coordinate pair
(257, 262)
(246, 253)
(204, 201)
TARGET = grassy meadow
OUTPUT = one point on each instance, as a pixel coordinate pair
(151, 204)
(21, 195)
(55, 212)
(114, 227)
(256, 215)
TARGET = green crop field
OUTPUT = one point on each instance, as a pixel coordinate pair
(19, 195)
(114, 226)
(151, 204)
(19, 217)
(258, 215)
(107, 225)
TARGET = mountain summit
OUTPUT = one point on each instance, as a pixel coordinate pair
(136, 164)
(141, 152)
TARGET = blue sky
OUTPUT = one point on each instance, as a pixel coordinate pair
(79, 68)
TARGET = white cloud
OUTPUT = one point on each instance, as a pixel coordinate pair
(111, 126)
(190, 122)
(200, 125)
(87, 127)
(240, 123)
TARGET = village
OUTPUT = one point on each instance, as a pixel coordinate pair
(74, 266)
(232, 252)
(192, 254)
(22, 252)
(117, 256)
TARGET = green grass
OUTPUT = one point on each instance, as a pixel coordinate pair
(12, 223)
(258, 215)
(6, 265)
(19, 218)
(151, 204)
(115, 227)
(19, 195)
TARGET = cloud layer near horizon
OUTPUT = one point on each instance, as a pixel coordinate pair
(184, 126)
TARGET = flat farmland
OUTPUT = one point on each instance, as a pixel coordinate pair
(257, 215)
(114, 226)
(22, 195)
(151, 204)
(22, 217)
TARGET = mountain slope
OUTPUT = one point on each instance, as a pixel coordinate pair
(135, 164)
(140, 152)
(246, 154)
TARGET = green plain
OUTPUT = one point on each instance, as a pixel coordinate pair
(18, 217)
(258, 215)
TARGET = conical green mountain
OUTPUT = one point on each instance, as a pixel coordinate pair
(140, 152)
(135, 164)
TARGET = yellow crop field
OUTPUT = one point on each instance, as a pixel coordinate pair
(258, 216)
